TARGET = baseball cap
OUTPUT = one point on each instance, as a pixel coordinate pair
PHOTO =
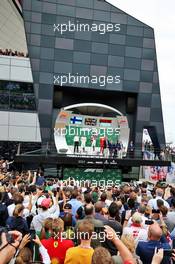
(46, 202)
(68, 206)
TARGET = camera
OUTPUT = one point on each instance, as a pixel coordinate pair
(149, 222)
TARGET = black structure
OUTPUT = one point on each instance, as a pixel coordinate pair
(130, 53)
(33, 160)
(129, 168)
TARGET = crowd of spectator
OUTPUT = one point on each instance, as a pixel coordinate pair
(152, 153)
(52, 221)
(9, 52)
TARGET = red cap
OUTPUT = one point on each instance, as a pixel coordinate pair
(46, 202)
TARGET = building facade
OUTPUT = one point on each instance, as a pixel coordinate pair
(128, 52)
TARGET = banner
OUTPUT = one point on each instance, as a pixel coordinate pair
(157, 173)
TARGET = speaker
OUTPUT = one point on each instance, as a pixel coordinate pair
(130, 105)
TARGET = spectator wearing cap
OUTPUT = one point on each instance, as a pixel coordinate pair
(54, 207)
(43, 213)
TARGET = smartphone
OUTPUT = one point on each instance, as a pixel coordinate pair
(32, 235)
(154, 211)
(149, 222)
(168, 252)
(10, 237)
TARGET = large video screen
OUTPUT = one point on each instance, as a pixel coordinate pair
(88, 131)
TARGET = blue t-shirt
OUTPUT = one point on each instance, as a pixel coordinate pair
(40, 180)
(145, 250)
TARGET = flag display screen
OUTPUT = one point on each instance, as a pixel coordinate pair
(76, 120)
(90, 121)
(105, 122)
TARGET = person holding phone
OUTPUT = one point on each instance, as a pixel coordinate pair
(146, 249)
(45, 210)
(7, 249)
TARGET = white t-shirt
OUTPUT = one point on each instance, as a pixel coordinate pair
(153, 203)
(76, 139)
(143, 222)
(93, 142)
(83, 141)
(138, 233)
(11, 209)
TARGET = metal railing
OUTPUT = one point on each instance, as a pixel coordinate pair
(138, 153)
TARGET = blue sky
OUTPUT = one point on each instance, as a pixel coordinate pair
(160, 15)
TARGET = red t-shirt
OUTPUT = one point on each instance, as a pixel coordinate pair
(57, 248)
(102, 142)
